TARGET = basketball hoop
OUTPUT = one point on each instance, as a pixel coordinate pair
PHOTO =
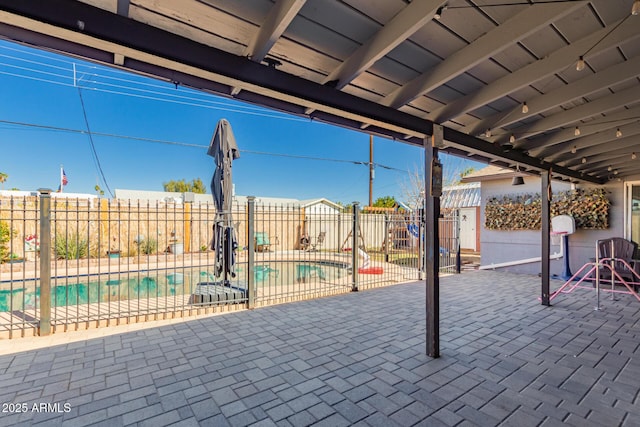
(556, 237)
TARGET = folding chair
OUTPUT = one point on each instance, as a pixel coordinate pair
(262, 242)
(318, 241)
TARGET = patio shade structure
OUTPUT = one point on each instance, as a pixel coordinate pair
(534, 83)
(224, 150)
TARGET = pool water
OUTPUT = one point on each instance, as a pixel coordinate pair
(163, 284)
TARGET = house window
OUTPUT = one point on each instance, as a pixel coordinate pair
(632, 211)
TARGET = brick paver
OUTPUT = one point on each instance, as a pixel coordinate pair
(355, 359)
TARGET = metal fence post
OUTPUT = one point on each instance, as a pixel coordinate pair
(386, 237)
(354, 246)
(457, 240)
(44, 234)
(251, 286)
(422, 229)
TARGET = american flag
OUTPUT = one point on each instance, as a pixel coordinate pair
(65, 181)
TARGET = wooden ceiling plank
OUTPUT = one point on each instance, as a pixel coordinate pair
(592, 83)
(538, 146)
(538, 70)
(401, 27)
(520, 26)
(574, 115)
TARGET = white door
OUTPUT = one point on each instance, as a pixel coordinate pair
(468, 228)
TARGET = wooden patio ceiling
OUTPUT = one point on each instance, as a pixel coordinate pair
(500, 76)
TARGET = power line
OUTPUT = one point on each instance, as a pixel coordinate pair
(93, 147)
(191, 145)
(173, 98)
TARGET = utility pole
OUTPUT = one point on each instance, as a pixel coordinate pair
(371, 171)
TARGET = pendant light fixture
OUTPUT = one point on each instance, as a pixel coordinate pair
(518, 179)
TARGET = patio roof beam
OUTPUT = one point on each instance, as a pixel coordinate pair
(581, 88)
(410, 19)
(536, 71)
(574, 115)
(501, 37)
(590, 144)
(156, 52)
(277, 21)
(539, 145)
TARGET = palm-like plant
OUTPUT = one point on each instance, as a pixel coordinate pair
(3, 178)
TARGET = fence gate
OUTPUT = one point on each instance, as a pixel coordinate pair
(449, 224)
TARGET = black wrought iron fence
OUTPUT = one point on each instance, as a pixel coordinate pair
(74, 263)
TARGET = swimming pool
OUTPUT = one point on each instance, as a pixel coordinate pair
(77, 290)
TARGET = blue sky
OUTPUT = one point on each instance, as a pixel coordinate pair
(145, 132)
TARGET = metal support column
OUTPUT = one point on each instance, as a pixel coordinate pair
(546, 229)
(251, 248)
(44, 234)
(432, 190)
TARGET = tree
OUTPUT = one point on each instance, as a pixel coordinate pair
(385, 202)
(413, 188)
(3, 178)
(466, 172)
(182, 186)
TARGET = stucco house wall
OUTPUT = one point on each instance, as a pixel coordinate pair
(504, 246)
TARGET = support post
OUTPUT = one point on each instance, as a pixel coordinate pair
(354, 246)
(432, 190)
(44, 234)
(251, 243)
(546, 238)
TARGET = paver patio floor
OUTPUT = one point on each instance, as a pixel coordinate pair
(355, 359)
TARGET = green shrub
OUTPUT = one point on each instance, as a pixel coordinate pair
(71, 246)
(5, 237)
(148, 246)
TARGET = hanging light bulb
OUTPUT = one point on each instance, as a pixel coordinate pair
(584, 160)
(580, 64)
(525, 107)
(635, 9)
(574, 149)
(615, 172)
(609, 169)
(512, 138)
(487, 133)
(618, 133)
(633, 156)
(438, 13)
(576, 132)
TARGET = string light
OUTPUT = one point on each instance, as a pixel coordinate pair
(438, 13)
(618, 133)
(525, 107)
(609, 169)
(512, 138)
(576, 132)
(635, 9)
(580, 65)
(574, 149)
(487, 133)
(633, 156)
(584, 160)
